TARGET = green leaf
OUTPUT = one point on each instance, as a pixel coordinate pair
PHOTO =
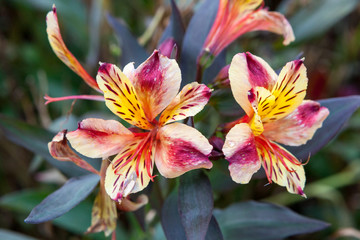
(318, 16)
(10, 235)
(195, 203)
(263, 221)
(61, 201)
(36, 139)
(340, 110)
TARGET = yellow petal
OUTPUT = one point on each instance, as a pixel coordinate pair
(120, 96)
(289, 91)
(191, 100)
(63, 53)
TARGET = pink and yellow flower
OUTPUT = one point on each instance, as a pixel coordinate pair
(236, 17)
(276, 112)
(138, 96)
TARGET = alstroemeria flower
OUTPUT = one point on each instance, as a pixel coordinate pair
(138, 96)
(236, 17)
(275, 112)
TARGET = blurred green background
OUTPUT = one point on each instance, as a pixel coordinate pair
(327, 34)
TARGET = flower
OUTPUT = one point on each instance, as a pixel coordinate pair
(275, 112)
(138, 96)
(236, 17)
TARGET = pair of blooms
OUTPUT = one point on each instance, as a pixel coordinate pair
(275, 112)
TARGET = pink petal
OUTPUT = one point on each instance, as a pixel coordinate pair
(156, 82)
(181, 148)
(97, 138)
(60, 150)
(63, 53)
(299, 126)
(249, 71)
(191, 100)
(240, 150)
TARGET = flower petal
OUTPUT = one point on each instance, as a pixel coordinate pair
(299, 126)
(97, 138)
(274, 22)
(289, 91)
(191, 100)
(181, 148)
(60, 49)
(240, 150)
(131, 170)
(248, 71)
(282, 167)
(60, 150)
(120, 95)
(156, 81)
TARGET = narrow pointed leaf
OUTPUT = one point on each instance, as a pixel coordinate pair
(131, 51)
(62, 200)
(263, 221)
(36, 139)
(175, 28)
(170, 219)
(215, 67)
(341, 109)
(214, 231)
(10, 235)
(194, 38)
(195, 204)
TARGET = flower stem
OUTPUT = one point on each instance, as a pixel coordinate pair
(84, 97)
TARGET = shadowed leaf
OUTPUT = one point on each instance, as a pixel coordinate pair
(131, 51)
(195, 203)
(263, 221)
(62, 200)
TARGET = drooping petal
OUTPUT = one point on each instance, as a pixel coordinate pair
(289, 91)
(156, 82)
(240, 150)
(60, 49)
(191, 100)
(299, 126)
(281, 166)
(274, 22)
(131, 170)
(98, 138)
(181, 148)
(248, 71)
(127, 205)
(104, 214)
(60, 150)
(120, 95)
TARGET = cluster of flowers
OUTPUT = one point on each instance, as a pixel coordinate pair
(276, 112)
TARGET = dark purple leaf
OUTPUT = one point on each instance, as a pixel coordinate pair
(62, 200)
(195, 204)
(263, 221)
(131, 51)
(341, 110)
(170, 218)
(176, 28)
(211, 72)
(194, 38)
(36, 139)
(214, 232)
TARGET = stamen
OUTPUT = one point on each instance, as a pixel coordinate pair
(83, 97)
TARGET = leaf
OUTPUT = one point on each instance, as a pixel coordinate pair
(215, 67)
(10, 235)
(263, 221)
(340, 110)
(36, 139)
(194, 38)
(195, 203)
(175, 28)
(131, 51)
(170, 218)
(62, 200)
(214, 232)
(318, 16)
